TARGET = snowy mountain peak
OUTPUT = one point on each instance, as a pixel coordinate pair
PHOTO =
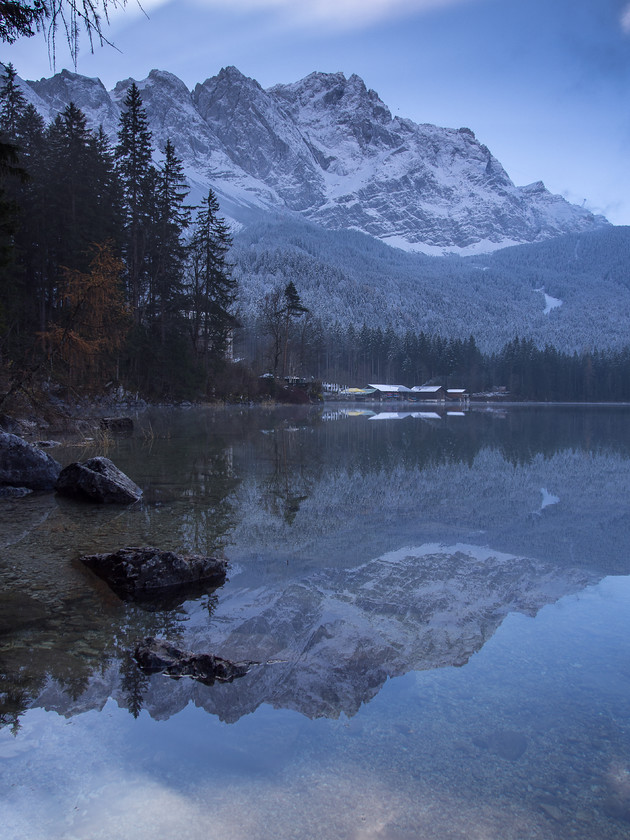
(327, 147)
(332, 94)
(86, 93)
(537, 188)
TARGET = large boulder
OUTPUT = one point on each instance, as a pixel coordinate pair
(147, 574)
(97, 480)
(24, 465)
(157, 656)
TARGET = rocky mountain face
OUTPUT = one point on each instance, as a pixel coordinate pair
(327, 149)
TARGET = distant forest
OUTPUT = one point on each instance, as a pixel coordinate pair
(351, 357)
(108, 278)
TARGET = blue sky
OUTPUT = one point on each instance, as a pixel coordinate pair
(545, 84)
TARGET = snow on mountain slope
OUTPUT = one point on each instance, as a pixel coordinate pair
(328, 149)
(260, 138)
(352, 278)
(87, 94)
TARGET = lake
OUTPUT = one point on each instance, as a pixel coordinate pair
(438, 603)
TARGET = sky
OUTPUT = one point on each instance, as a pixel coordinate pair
(545, 84)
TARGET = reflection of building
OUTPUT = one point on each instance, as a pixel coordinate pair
(356, 393)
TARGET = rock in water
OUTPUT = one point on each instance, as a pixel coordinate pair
(97, 480)
(24, 465)
(120, 425)
(157, 656)
(148, 574)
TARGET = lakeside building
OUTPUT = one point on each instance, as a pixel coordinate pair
(385, 392)
(431, 393)
(390, 392)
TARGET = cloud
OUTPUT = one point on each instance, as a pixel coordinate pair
(625, 19)
(345, 14)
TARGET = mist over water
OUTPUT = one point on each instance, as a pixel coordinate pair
(439, 605)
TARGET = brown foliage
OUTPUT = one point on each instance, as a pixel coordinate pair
(92, 320)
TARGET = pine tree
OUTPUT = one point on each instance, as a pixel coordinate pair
(293, 308)
(212, 288)
(106, 190)
(33, 233)
(271, 319)
(71, 204)
(137, 174)
(167, 249)
(13, 103)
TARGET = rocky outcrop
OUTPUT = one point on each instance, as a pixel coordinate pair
(97, 480)
(157, 656)
(23, 465)
(145, 574)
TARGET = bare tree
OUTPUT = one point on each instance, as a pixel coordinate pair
(22, 19)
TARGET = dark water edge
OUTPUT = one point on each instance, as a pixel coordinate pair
(441, 604)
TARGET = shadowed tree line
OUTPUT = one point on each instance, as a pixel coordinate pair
(349, 356)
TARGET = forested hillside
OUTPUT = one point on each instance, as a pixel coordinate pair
(348, 277)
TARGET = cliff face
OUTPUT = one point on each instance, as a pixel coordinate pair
(328, 149)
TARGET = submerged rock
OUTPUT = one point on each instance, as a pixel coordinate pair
(147, 574)
(18, 610)
(504, 743)
(97, 480)
(7, 492)
(157, 656)
(120, 425)
(24, 465)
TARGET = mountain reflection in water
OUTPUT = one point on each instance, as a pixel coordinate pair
(366, 560)
(359, 551)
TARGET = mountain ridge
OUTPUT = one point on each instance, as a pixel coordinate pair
(327, 149)
(317, 180)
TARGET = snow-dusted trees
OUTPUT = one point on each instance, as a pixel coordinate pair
(280, 311)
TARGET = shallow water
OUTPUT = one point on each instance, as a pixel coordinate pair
(439, 606)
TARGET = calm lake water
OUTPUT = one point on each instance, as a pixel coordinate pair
(440, 605)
